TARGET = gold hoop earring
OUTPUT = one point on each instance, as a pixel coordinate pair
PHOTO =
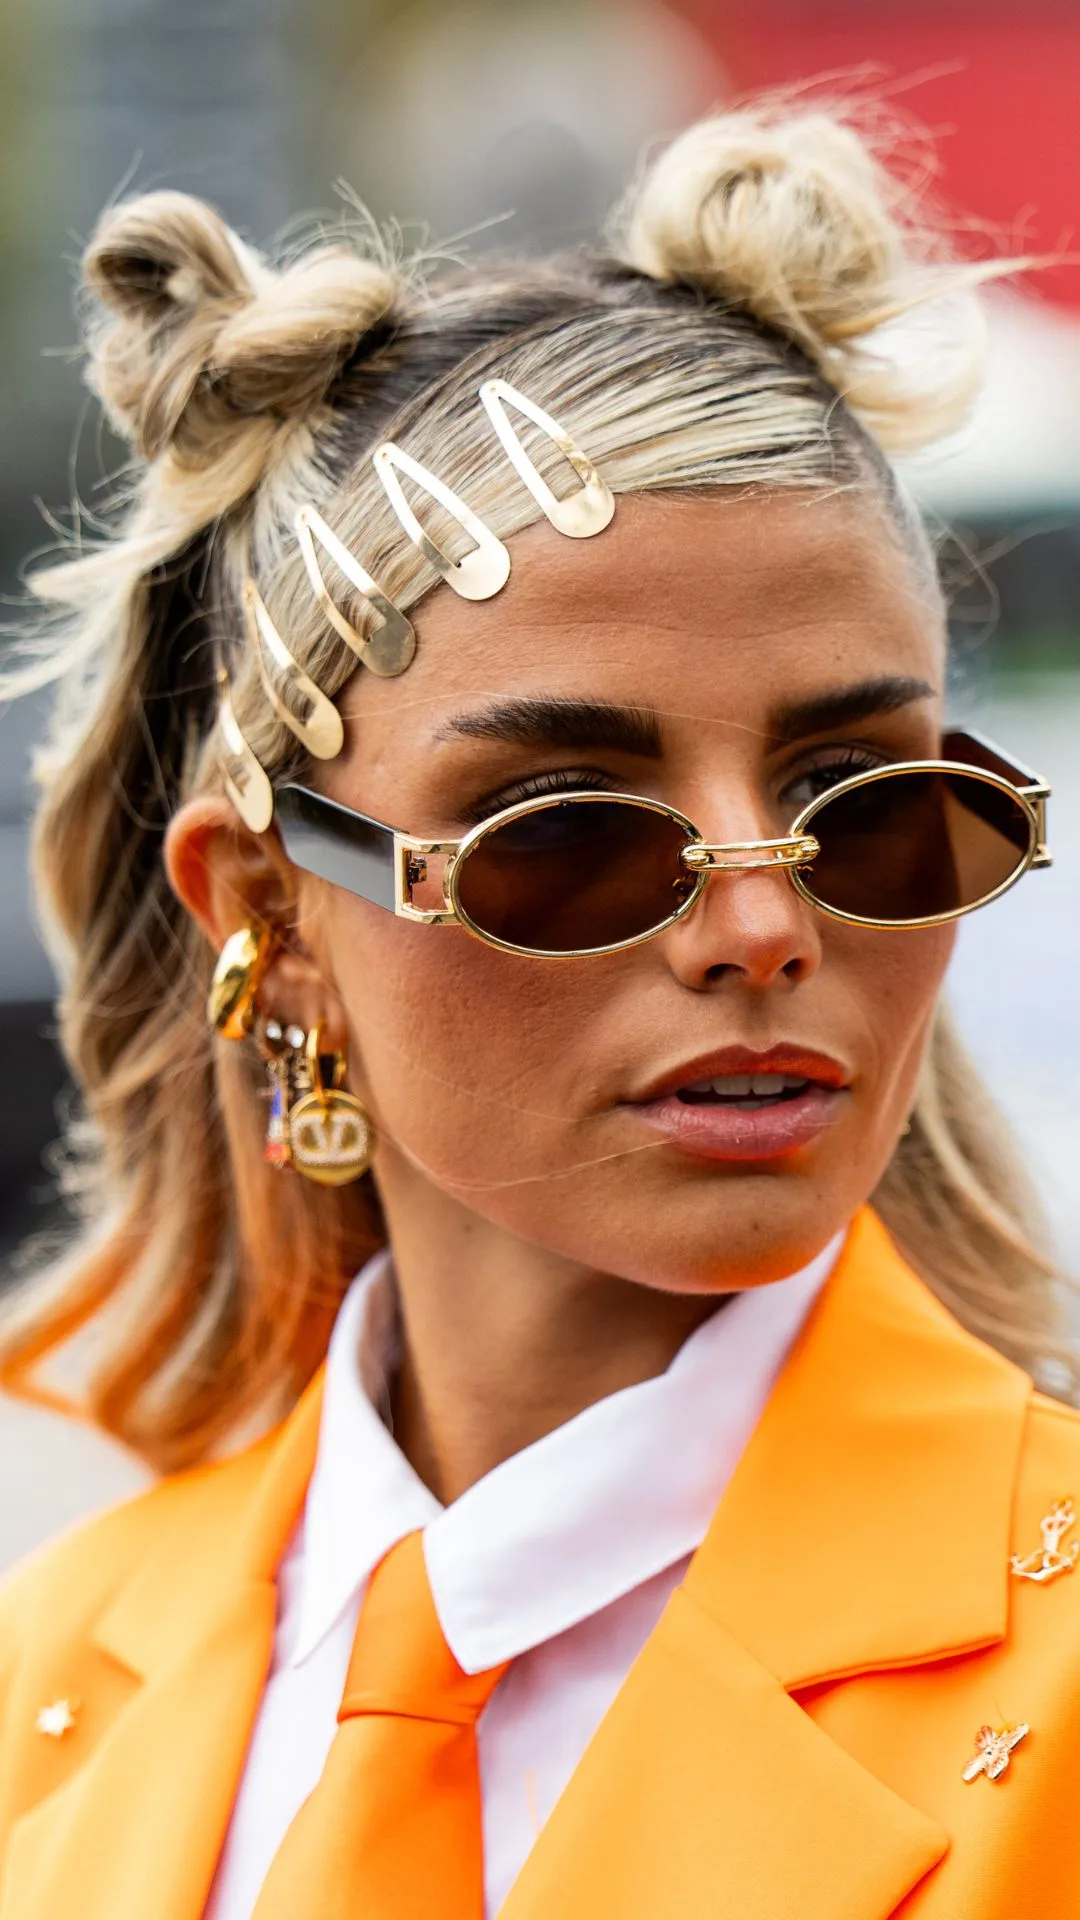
(331, 1135)
(230, 1003)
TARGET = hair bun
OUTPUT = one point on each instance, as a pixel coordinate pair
(793, 218)
(199, 335)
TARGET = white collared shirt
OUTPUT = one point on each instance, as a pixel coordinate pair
(561, 1559)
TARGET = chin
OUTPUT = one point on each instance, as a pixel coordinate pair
(715, 1235)
(718, 1226)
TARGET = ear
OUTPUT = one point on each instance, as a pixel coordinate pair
(228, 877)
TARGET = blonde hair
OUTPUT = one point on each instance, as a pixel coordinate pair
(725, 334)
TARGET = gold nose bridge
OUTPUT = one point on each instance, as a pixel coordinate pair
(742, 856)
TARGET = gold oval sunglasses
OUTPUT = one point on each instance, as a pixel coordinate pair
(910, 844)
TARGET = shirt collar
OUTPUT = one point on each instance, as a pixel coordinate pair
(619, 1493)
(363, 1496)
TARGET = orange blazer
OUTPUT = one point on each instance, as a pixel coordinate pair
(790, 1745)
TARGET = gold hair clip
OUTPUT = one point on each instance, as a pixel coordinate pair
(246, 780)
(477, 575)
(308, 712)
(320, 728)
(586, 511)
(392, 645)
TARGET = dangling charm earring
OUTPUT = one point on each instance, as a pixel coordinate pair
(280, 1048)
(331, 1136)
(230, 1003)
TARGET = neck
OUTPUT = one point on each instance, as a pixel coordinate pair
(503, 1341)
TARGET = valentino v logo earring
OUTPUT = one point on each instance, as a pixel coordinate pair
(331, 1137)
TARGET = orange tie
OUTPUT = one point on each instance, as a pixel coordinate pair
(393, 1829)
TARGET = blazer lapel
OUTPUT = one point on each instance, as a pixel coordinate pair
(138, 1830)
(868, 1522)
(709, 1793)
(867, 1525)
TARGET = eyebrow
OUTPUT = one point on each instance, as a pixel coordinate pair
(844, 706)
(588, 724)
(562, 723)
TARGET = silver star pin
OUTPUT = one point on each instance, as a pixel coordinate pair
(57, 1719)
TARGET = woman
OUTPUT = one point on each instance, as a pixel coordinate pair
(653, 1540)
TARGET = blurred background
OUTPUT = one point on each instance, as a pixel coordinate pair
(515, 122)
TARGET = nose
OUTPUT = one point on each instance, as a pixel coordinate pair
(748, 923)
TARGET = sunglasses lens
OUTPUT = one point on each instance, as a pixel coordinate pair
(574, 877)
(909, 846)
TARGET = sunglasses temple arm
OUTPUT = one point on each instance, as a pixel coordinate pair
(363, 855)
(339, 845)
(975, 750)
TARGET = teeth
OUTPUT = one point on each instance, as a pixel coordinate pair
(741, 1086)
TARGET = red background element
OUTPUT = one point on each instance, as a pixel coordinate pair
(1006, 119)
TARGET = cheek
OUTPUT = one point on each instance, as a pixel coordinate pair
(894, 981)
(465, 1052)
(470, 1057)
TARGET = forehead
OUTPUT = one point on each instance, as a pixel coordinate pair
(709, 604)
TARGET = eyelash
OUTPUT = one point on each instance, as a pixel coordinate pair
(559, 780)
(829, 773)
(819, 777)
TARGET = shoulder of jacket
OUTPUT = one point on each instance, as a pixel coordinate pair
(73, 1576)
(1054, 1417)
(1049, 1462)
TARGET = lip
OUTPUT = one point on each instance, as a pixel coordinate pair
(747, 1134)
(801, 1063)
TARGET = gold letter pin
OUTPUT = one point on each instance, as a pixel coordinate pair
(1047, 1561)
(57, 1719)
(995, 1748)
